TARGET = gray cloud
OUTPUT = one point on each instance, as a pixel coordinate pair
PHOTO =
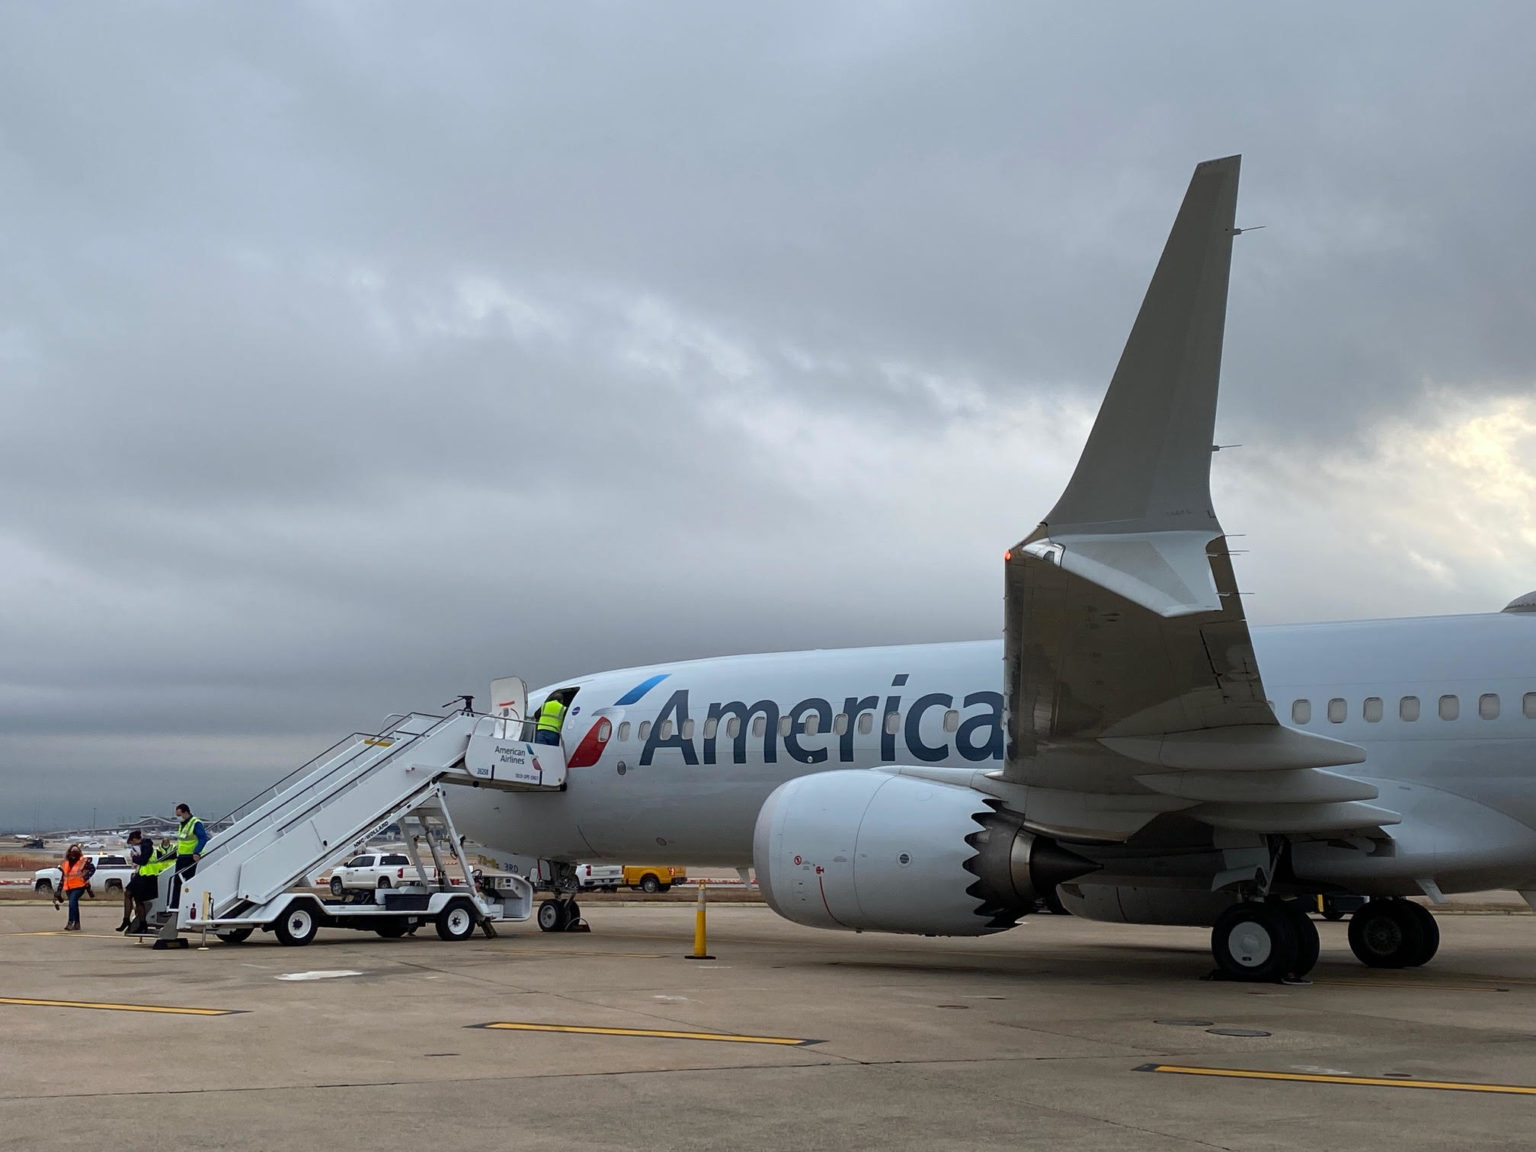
(354, 358)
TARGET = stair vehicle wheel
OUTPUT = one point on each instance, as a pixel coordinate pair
(457, 921)
(552, 916)
(1255, 942)
(1385, 934)
(392, 929)
(1431, 932)
(649, 884)
(1308, 946)
(297, 926)
(235, 935)
(337, 887)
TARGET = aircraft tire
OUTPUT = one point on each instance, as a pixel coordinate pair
(1308, 946)
(551, 916)
(1385, 934)
(1431, 932)
(1255, 942)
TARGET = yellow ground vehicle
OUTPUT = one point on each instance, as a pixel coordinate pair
(653, 877)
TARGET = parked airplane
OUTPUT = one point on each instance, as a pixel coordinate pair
(1130, 741)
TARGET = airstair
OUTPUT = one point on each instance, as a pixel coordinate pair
(356, 789)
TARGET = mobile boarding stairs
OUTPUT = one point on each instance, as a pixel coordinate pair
(314, 817)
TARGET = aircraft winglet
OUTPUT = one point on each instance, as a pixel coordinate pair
(1147, 463)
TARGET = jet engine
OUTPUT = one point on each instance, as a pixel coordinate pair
(872, 850)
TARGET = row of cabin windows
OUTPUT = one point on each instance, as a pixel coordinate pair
(810, 725)
(1448, 708)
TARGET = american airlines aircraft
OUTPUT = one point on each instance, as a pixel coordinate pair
(1130, 743)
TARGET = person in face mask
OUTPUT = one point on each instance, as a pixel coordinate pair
(76, 871)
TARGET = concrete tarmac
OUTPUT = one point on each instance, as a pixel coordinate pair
(1042, 1037)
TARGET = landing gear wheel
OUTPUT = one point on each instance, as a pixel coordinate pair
(457, 921)
(552, 916)
(1331, 909)
(1431, 933)
(337, 888)
(649, 884)
(1255, 942)
(572, 916)
(297, 926)
(1308, 946)
(235, 935)
(1386, 934)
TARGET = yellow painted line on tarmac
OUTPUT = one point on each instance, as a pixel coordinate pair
(1362, 1081)
(659, 1033)
(168, 1009)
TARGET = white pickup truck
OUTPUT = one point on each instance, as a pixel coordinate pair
(600, 877)
(112, 874)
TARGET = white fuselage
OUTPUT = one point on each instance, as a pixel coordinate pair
(670, 784)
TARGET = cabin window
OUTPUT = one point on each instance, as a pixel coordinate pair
(784, 725)
(1450, 707)
(666, 729)
(645, 729)
(688, 729)
(624, 730)
(951, 720)
(1528, 705)
(1488, 705)
(733, 726)
(867, 719)
(812, 723)
(711, 726)
(840, 723)
(759, 724)
(1301, 711)
(1372, 710)
(1408, 708)
(1337, 710)
(604, 730)
(893, 722)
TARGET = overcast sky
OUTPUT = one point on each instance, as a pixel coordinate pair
(352, 355)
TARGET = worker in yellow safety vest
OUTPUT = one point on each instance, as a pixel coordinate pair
(145, 885)
(551, 717)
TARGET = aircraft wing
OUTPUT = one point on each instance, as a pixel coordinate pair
(1132, 685)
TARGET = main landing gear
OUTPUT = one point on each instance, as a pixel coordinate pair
(1276, 940)
(1267, 941)
(1393, 934)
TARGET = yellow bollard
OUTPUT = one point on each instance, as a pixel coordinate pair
(700, 951)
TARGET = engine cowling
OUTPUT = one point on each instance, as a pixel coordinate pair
(888, 853)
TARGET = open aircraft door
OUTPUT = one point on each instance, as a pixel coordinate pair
(509, 701)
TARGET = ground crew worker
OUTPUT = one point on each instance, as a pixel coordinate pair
(190, 838)
(551, 716)
(146, 883)
(75, 870)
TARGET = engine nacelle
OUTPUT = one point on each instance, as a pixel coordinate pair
(871, 850)
(1127, 904)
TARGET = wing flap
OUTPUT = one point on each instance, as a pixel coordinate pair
(1300, 786)
(1242, 747)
